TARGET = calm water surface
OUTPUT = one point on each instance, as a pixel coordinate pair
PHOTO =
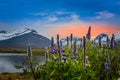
(8, 60)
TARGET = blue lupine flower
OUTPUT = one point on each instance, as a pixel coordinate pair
(74, 48)
(88, 35)
(64, 55)
(112, 41)
(107, 63)
(64, 58)
(63, 50)
(108, 42)
(84, 47)
(56, 59)
(107, 66)
(100, 45)
(73, 57)
(71, 39)
(67, 40)
(52, 42)
(58, 39)
(53, 50)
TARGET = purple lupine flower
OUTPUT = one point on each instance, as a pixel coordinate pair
(112, 41)
(88, 35)
(53, 50)
(29, 51)
(58, 39)
(74, 57)
(84, 47)
(87, 61)
(58, 44)
(107, 67)
(64, 57)
(63, 50)
(108, 42)
(74, 48)
(46, 55)
(100, 45)
(71, 39)
(56, 59)
(52, 42)
(67, 40)
(107, 63)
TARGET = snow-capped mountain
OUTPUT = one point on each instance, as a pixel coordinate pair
(7, 35)
(75, 38)
(21, 38)
(104, 37)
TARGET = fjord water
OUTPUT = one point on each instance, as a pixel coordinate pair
(8, 60)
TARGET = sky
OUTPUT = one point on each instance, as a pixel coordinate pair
(51, 17)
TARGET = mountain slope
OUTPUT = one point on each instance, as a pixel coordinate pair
(21, 41)
(104, 37)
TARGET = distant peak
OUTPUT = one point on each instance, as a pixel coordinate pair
(29, 30)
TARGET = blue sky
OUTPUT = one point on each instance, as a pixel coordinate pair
(42, 14)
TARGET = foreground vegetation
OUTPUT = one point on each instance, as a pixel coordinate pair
(88, 61)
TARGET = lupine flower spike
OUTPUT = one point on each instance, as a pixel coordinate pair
(29, 51)
(112, 41)
(107, 63)
(74, 50)
(108, 42)
(67, 41)
(100, 45)
(63, 55)
(71, 39)
(88, 36)
(84, 47)
(46, 55)
(58, 44)
(52, 42)
(86, 61)
(53, 49)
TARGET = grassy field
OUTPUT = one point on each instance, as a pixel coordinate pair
(22, 51)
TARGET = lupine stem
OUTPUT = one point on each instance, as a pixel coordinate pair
(67, 41)
(84, 47)
(71, 39)
(100, 42)
(58, 44)
(30, 60)
(112, 41)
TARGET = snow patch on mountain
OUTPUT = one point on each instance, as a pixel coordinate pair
(7, 35)
(104, 37)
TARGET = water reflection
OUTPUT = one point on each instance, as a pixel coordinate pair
(7, 61)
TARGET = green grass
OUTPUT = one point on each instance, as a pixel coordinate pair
(75, 70)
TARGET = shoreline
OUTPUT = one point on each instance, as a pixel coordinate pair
(22, 51)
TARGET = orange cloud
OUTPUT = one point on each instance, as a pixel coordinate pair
(80, 30)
